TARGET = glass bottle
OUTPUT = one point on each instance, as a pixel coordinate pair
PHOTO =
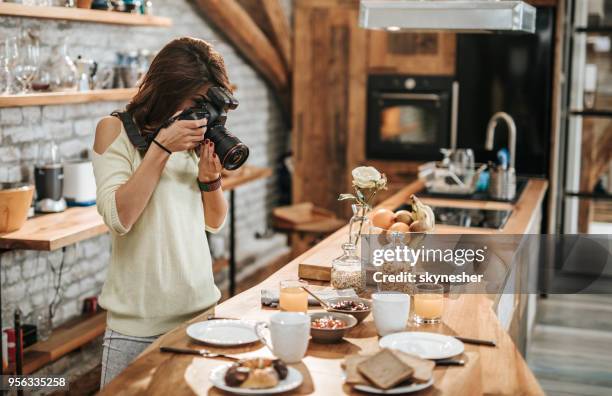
(347, 271)
(63, 72)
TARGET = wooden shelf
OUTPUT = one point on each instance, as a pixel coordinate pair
(54, 231)
(53, 98)
(83, 15)
(245, 175)
(64, 339)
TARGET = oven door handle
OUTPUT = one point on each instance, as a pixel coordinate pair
(411, 96)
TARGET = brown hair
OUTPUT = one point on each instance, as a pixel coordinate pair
(181, 69)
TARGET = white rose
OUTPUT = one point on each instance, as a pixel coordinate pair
(365, 177)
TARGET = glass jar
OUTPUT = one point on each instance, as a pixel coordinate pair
(62, 71)
(359, 225)
(347, 271)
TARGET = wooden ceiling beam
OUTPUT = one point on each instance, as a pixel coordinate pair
(239, 28)
(269, 16)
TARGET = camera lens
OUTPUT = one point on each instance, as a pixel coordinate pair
(231, 151)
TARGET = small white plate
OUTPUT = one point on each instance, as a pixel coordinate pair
(293, 380)
(425, 345)
(223, 332)
(399, 390)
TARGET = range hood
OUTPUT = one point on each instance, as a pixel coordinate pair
(482, 16)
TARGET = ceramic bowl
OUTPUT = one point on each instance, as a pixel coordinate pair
(359, 315)
(327, 336)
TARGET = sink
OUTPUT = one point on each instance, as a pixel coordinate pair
(479, 195)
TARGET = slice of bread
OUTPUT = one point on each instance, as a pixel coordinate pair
(423, 368)
(353, 376)
(385, 369)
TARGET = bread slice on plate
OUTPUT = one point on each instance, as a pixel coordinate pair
(353, 376)
(423, 368)
(385, 369)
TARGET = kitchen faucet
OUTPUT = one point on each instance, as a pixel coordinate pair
(502, 181)
(511, 133)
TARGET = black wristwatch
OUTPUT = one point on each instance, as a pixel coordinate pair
(210, 186)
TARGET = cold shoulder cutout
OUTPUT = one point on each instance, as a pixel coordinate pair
(107, 131)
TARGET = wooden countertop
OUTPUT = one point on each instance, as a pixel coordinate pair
(500, 370)
(317, 262)
(54, 231)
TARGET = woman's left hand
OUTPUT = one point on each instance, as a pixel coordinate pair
(210, 166)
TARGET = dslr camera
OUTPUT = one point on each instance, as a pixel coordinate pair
(231, 151)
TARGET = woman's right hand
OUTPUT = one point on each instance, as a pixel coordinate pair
(182, 135)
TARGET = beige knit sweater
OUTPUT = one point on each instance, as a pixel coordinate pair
(160, 271)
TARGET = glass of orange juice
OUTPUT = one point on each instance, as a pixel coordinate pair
(292, 297)
(428, 303)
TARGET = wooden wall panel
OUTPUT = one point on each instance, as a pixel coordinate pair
(411, 53)
(329, 41)
(332, 59)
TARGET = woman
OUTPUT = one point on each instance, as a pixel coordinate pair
(158, 205)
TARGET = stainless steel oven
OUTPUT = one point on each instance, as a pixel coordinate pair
(410, 117)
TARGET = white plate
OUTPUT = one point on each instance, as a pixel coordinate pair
(422, 344)
(293, 380)
(223, 332)
(399, 390)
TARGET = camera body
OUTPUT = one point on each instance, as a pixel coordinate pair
(231, 151)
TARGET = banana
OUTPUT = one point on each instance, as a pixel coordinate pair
(424, 219)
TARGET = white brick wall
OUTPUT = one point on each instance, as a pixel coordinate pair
(25, 275)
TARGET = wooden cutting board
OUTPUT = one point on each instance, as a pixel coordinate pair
(317, 266)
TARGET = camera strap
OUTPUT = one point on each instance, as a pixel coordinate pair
(139, 141)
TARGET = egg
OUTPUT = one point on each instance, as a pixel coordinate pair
(399, 227)
(383, 218)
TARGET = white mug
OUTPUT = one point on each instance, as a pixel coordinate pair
(289, 333)
(391, 311)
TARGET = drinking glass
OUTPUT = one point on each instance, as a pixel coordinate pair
(9, 54)
(292, 297)
(428, 303)
(5, 75)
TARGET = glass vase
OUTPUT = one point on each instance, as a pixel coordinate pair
(359, 224)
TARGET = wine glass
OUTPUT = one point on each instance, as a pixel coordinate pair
(8, 55)
(4, 72)
(27, 64)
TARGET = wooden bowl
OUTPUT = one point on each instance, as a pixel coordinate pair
(359, 315)
(15, 201)
(84, 4)
(328, 336)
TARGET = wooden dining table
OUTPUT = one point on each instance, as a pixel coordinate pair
(498, 370)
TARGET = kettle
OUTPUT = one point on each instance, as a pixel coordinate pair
(86, 70)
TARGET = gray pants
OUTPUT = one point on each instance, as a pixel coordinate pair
(119, 351)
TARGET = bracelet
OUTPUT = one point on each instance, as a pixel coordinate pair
(161, 146)
(210, 186)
